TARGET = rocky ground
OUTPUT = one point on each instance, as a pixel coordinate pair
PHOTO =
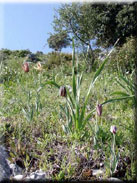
(85, 169)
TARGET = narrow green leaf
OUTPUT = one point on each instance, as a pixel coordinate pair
(63, 109)
(70, 98)
(130, 86)
(32, 112)
(83, 112)
(71, 109)
(73, 71)
(51, 83)
(70, 124)
(123, 86)
(78, 124)
(79, 82)
(74, 86)
(98, 72)
(73, 54)
(23, 110)
(119, 93)
(118, 99)
(89, 115)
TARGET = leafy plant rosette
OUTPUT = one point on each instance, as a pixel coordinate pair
(129, 90)
(74, 111)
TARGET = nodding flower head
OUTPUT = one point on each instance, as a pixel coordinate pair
(99, 109)
(63, 91)
(39, 66)
(25, 67)
(113, 129)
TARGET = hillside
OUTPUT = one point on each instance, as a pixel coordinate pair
(34, 127)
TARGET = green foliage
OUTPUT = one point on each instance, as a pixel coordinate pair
(32, 108)
(104, 23)
(6, 51)
(18, 53)
(75, 112)
(128, 94)
(56, 58)
(21, 53)
(123, 57)
(37, 138)
(58, 41)
(53, 58)
(66, 57)
(3, 56)
(6, 73)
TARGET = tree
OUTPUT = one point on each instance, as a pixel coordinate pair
(116, 21)
(104, 23)
(73, 19)
(58, 41)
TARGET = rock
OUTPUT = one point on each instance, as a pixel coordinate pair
(18, 177)
(97, 172)
(115, 179)
(39, 174)
(16, 170)
(5, 171)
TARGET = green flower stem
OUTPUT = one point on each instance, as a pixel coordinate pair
(113, 146)
(114, 160)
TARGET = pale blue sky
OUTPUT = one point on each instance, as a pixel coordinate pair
(26, 26)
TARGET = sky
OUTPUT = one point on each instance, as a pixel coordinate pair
(26, 26)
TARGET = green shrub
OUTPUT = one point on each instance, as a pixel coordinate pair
(123, 57)
(66, 56)
(7, 74)
(3, 56)
(56, 58)
(39, 53)
(6, 51)
(21, 53)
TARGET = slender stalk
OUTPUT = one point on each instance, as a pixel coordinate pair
(113, 146)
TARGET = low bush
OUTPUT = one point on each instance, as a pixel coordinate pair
(6, 51)
(21, 53)
(123, 57)
(3, 56)
(56, 58)
(66, 56)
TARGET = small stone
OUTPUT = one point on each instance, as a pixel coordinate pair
(115, 179)
(18, 177)
(39, 174)
(101, 164)
(33, 176)
(97, 172)
(16, 170)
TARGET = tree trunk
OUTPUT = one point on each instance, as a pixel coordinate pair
(90, 58)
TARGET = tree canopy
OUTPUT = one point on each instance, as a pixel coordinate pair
(58, 41)
(104, 23)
